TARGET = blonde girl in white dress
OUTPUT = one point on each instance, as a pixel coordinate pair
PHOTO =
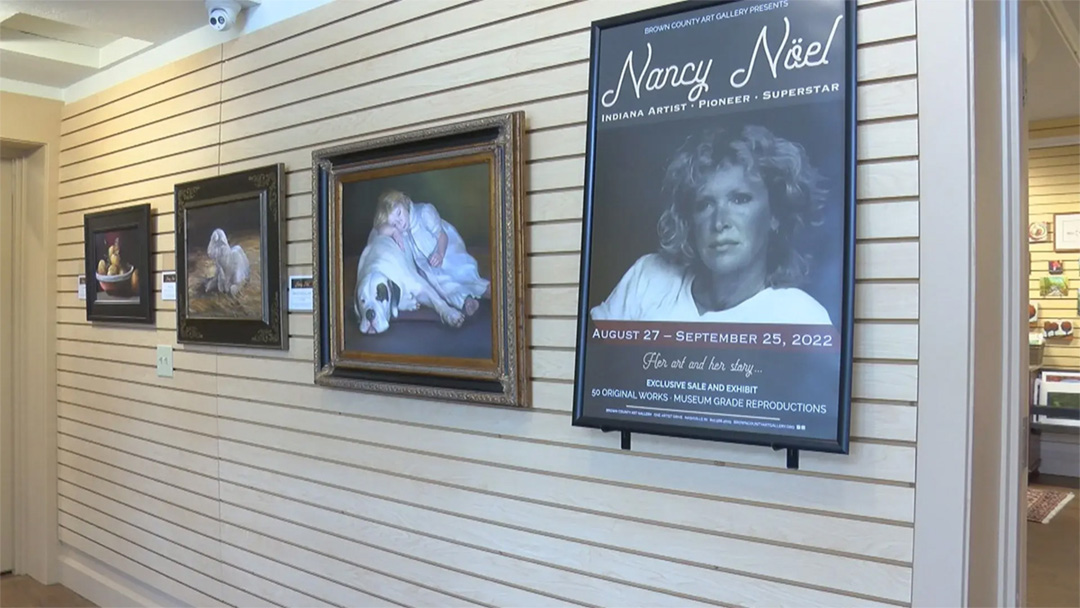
(435, 246)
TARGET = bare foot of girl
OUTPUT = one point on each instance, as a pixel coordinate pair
(471, 305)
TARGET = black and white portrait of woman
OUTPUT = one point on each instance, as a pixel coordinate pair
(737, 200)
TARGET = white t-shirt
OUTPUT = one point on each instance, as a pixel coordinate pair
(655, 289)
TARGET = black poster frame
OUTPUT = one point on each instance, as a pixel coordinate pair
(840, 444)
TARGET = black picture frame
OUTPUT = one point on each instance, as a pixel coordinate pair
(250, 310)
(126, 296)
(419, 352)
(740, 20)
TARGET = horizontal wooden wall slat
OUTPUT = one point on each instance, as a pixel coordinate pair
(547, 550)
(238, 469)
(79, 422)
(188, 565)
(386, 53)
(205, 528)
(188, 102)
(277, 595)
(418, 99)
(338, 580)
(133, 193)
(162, 75)
(145, 135)
(179, 488)
(153, 95)
(276, 43)
(458, 584)
(165, 147)
(184, 161)
(872, 461)
(134, 561)
(323, 590)
(872, 500)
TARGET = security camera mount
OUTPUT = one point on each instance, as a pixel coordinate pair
(222, 14)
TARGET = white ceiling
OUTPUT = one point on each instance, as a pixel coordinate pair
(56, 43)
(155, 21)
(68, 49)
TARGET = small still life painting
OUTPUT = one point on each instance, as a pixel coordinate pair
(117, 245)
(1054, 287)
(229, 262)
(1055, 266)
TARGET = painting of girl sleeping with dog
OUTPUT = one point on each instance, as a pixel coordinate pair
(224, 269)
(422, 283)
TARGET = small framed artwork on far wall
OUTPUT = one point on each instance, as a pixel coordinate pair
(118, 270)
(229, 263)
(1067, 232)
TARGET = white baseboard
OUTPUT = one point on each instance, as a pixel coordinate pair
(106, 586)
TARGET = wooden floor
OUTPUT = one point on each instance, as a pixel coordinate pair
(21, 591)
(1053, 565)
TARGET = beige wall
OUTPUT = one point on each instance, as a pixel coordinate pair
(1054, 187)
(32, 126)
(237, 481)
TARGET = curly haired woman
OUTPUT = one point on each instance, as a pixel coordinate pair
(737, 199)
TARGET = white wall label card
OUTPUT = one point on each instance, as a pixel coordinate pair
(82, 286)
(168, 285)
(301, 298)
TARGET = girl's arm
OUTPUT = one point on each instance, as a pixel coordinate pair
(437, 256)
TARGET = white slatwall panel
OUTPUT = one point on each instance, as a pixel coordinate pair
(239, 482)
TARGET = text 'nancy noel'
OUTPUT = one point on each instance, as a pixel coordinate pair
(789, 53)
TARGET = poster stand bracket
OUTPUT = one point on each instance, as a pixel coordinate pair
(624, 437)
(792, 456)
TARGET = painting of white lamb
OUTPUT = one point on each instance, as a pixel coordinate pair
(224, 267)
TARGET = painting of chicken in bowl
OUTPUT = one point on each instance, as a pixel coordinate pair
(118, 279)
(230, 233)
(117, 249)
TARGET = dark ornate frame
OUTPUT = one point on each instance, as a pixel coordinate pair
(267, 184)
(137, 217)
(500, 138)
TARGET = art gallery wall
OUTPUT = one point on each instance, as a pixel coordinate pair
(237, 481)
(1054, 187)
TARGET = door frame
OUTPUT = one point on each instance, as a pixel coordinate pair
(34, 370)
(969, 508)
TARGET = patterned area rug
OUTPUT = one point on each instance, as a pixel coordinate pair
(1043, 505)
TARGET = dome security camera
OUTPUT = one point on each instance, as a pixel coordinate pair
(222, 13)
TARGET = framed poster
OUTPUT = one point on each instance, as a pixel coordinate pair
(419, 267)
(230, 234)
(718, 240)
(118, 270)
